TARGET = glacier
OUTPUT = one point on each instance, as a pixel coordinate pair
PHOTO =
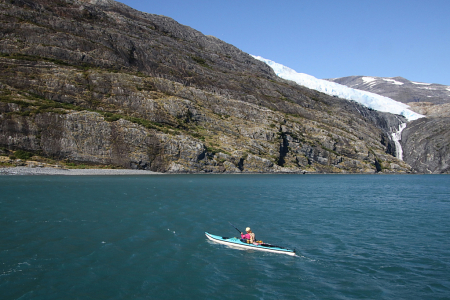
(368, 99)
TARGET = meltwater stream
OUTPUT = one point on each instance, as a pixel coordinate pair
(142, 237)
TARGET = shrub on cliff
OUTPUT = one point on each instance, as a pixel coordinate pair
(20, 154)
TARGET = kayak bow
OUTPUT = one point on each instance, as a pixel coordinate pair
(235, 242)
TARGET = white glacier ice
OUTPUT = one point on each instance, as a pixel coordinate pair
(370, 100)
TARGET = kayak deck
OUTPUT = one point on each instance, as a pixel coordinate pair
(235, 242)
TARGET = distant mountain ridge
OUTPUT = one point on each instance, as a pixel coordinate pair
(398, 88)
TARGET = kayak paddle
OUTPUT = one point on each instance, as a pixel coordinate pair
(235, 227)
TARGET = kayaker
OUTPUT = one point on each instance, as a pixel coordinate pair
(249, 236)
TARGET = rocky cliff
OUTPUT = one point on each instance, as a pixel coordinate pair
(426, 145)
(98, 82)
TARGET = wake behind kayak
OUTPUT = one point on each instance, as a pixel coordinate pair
(235, 242)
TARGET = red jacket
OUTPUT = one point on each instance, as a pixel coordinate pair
(248, 236)
(245, 236)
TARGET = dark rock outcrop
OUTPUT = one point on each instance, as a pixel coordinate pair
(426, 145)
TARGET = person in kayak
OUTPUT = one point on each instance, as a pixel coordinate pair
(249, 237)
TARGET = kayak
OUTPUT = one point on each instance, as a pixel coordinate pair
(235, 242)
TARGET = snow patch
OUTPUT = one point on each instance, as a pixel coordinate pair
(368, 99)
(393, 81)
(368, 79)
(421, 83)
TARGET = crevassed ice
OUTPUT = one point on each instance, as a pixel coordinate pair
(368, 99)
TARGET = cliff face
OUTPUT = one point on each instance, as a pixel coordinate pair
(96, 81)
(426, 145)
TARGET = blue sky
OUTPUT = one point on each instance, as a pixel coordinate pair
(328, 38)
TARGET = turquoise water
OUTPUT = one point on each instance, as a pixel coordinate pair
(142, 237)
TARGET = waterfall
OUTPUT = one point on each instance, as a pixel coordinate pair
(396, 137)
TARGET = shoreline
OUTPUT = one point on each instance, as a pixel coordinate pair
(23, 170)
(72, 172)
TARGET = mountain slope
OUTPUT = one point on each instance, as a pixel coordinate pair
(98, 82)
